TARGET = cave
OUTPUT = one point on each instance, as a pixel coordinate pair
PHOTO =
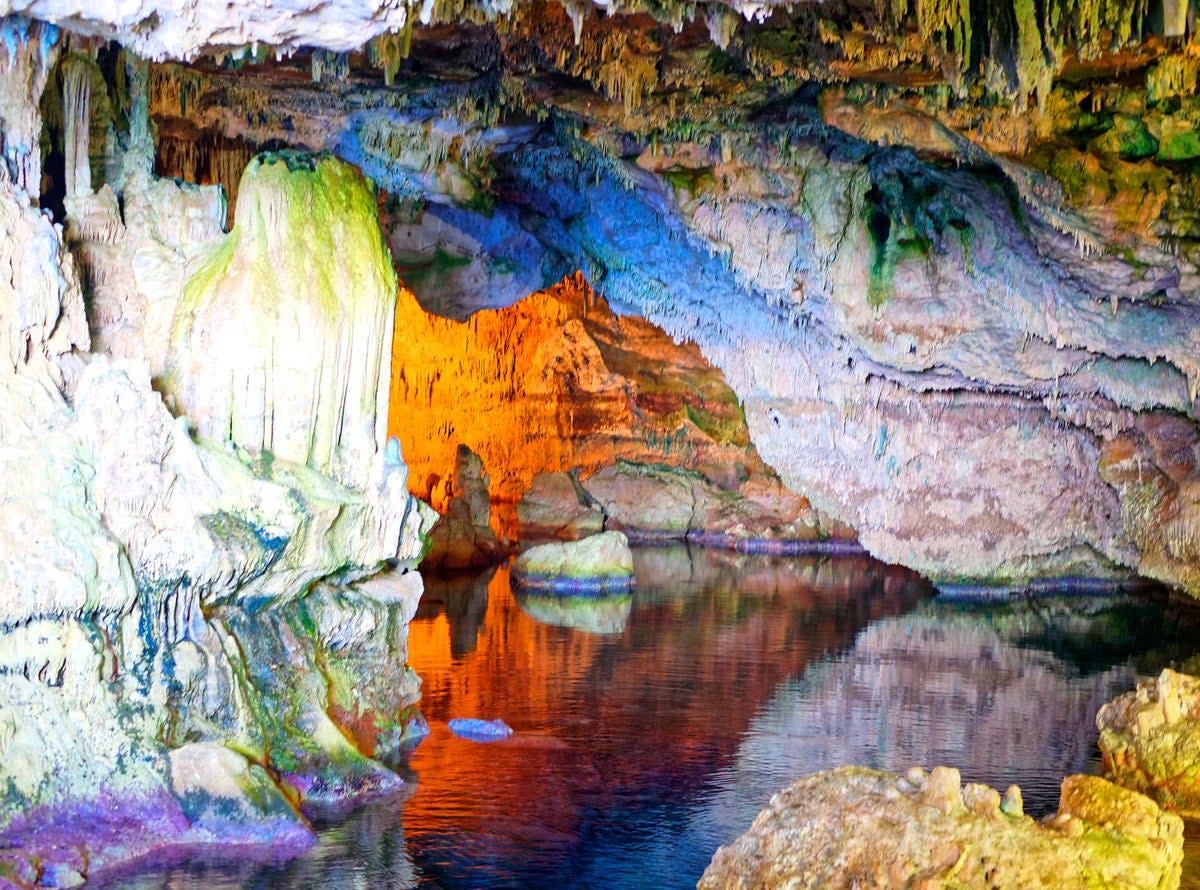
(599, 445)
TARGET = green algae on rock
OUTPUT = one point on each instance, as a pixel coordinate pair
(600, 561)
(297, 303)
(1150, 740)
(856, 827)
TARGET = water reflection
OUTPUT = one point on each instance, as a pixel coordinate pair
(644, 746)
(591, 614)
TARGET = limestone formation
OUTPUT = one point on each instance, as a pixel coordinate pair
(557, 506)
(555, 382)
(171, 671)
(652, 502)
(857, 827)
(280, 343)
(600, 561)
(462, 538)
(1150, 739)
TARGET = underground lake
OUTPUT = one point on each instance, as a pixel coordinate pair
(651, 726)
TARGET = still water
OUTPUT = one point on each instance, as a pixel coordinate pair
(651, 728)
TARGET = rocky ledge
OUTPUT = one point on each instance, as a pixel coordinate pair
(1150, 739)
(855, 827)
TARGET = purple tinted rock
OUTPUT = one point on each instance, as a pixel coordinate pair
(480, 730)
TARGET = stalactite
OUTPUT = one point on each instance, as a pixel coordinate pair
(27, 55)
(140, 152)
(387, 51)
(326, 64)
(77, 105)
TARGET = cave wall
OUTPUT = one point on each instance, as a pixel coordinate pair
(930, 341)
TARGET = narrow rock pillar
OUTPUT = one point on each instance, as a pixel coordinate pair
(77, 114)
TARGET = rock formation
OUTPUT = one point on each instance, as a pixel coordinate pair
(1150, 739)
(944, 256)
(462, 538)
(855, 827)
(598, 562)
(556, 382)
(947, 270)
(298, 300)
(170, 669)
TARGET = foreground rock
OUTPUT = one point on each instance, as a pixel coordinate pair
(184, 655)
(1150, 740)
(854, 827)
(601, 562)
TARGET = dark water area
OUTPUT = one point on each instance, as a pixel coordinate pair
(652, 727)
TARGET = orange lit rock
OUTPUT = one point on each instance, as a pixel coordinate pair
(552, 383)
(462, 538)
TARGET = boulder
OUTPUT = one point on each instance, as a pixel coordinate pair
(557, 506)
(1150, 740)
(652, 502)
(224, 795)
(855, 827)
(601, 561)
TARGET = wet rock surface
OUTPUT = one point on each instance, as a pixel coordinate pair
(462, 538)
(601, 561)
(1150, 740)
(171, 672)
(857, 827)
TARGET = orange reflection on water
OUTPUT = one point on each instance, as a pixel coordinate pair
(607, 723)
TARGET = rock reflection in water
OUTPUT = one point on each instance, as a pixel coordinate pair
(591, 614)
(638, 752)
(463, 601)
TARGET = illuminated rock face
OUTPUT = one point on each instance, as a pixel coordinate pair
(552, 383)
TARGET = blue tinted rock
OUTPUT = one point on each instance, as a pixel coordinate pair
(480, 730)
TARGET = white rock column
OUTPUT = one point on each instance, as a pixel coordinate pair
(27, 54)
(77, 114)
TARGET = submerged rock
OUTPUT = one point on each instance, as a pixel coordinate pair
(1150, 740)
(598, 562)
(855, 827)
(478, 730)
